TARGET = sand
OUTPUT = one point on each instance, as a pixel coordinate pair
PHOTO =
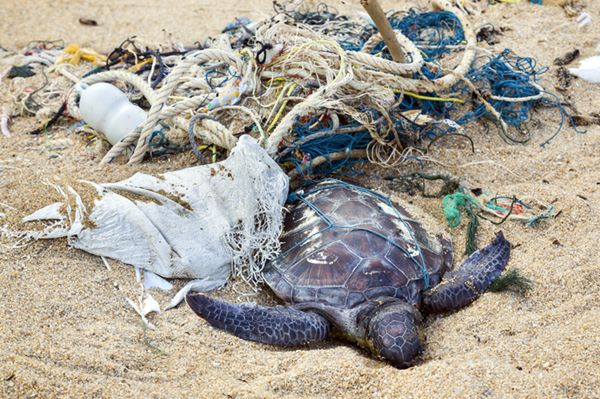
(66, 330)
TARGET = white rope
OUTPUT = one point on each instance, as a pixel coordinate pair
(412, 52)
(157, 99)
(308, 59)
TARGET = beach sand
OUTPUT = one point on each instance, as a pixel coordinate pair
(66, 330)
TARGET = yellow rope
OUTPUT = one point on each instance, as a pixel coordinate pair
(139, 65)
(76, 54)
(278, 115)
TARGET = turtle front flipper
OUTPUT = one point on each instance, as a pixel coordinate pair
(278, 325)
(462, 286)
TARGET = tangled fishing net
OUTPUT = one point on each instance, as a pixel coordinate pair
(317, 89)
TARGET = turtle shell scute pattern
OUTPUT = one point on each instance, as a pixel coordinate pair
(344, 245)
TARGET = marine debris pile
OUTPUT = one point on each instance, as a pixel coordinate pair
(317, 88)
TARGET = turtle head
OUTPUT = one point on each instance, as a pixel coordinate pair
(392, 332)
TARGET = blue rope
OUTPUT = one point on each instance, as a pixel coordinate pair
(506, 76)
(432, 32)
(563, 113)
(546, 215)
(435, 34)
(495, 199)
(221, 77)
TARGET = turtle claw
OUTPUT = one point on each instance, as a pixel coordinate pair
(462, 286)
(278, 325)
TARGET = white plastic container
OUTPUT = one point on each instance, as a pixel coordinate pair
(108, 110)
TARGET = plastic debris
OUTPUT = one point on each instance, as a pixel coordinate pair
(24, 71)
(145, 305)
(4, 119)
(584, 19)
(74, 54)
(589, 69)
(202, 222)
(152, 280)
(315, 86)
(229, 95)
(543, 2)
(108, 110)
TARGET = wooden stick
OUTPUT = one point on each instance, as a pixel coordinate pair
(387, 33)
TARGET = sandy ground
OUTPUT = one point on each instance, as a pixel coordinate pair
(66, 331)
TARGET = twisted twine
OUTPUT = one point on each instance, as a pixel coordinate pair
(342, 77)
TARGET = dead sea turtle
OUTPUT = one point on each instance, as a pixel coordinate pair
(354, 264)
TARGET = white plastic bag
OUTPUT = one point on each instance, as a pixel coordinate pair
(199, 223)
(589, 69)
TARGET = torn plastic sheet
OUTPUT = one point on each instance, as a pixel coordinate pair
(145, 305)
(200, 223)
(152, 280)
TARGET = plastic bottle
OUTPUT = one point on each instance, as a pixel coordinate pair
(108, 110)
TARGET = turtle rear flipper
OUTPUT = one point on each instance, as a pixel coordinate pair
(462, 286)
(278, 325)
